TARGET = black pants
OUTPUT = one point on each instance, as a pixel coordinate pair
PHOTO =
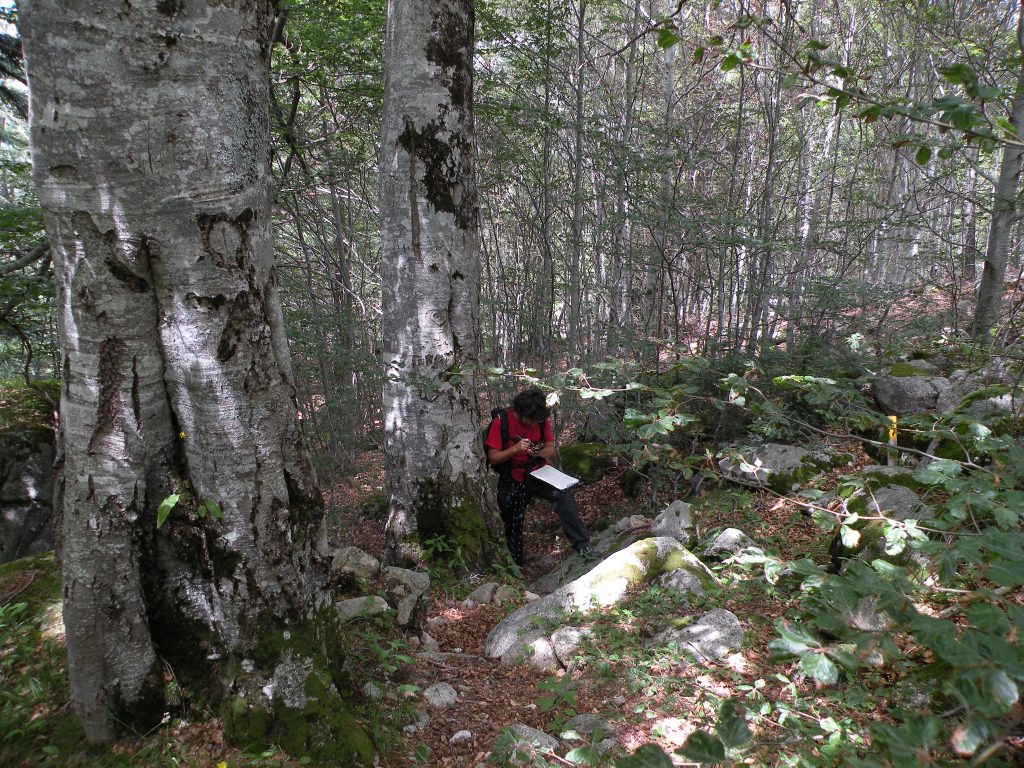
(514, 498)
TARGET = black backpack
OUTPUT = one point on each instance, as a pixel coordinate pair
(502, 414)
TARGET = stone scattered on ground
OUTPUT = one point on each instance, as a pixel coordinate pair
(525, 734)
(565, 641)
(683, 581)
(372, 691)
(712, 636)
(726, 543)
(503, 594)
(440, 696)
(482, 595)
(429, 643)
(460, 737)
(362, 607)
(402, 582)
(675, 521)
(353, 561)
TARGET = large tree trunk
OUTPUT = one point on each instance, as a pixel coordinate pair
(1004, 213)
(437, 481)
(150, 153)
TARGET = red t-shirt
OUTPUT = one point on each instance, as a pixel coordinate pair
(517, 431)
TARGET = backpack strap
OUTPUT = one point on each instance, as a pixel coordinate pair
(503, 420)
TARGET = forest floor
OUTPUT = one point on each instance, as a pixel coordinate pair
(662, 703)
(646, 700)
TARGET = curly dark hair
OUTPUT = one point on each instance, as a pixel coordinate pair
(531, 404)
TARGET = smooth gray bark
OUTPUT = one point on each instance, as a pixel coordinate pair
(1004, 213)
(150, 136)
(437, 480)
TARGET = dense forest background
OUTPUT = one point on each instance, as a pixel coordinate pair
(714, 179)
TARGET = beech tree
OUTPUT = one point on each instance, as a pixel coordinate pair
(149, 126)
(437, 480)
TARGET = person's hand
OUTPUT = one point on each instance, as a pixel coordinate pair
(523, 445)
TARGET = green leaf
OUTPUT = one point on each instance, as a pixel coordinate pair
(923, 156)
(648, 756)
(792, 641)
(730, 62)
(667, 37)
(165, 508)
(970, 736)
(958, 74)
(586, 755)
(1003, 688)
(850, 536)
(732, 726)
(820, 667)
(986, 617)
(702, 747)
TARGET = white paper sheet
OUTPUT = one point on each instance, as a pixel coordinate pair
(554, 477)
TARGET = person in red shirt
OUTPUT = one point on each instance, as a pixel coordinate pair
(529, 446)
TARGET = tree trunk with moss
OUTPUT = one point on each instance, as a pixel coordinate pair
(437, 481)
(150, 136)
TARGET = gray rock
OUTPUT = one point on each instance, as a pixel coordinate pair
(713, 636)
(503, 594)
(867, 617)
(588, 726)
(429, 643)
(675, 521)
(605, 584)
(436, 621)
(905, 395)
(534, 650)
(893, 503)
(401, 582)
(440, 696)
(372, 691)
(26, 491)
(461, 737)
(421, 719)
(529, 596)
(482, 595)
(780, 467)
(726, 544)
(362, 607)
(352, 560)
(683, 581)
(408, 613)
(631, 523)
(566, 640)
(526, 735)
(882, 475)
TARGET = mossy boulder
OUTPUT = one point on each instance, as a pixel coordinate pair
(892, 503)
(780, 467)
(607, 583)
(589, 462)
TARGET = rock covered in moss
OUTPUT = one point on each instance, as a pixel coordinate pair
(401, 582)
(778, 466)
(906, 388)
(605, 584)
(892, 503)
(880, 476)
(589, 462)
(683, 581)
(519, 734)
(535, 650)
(710, 637)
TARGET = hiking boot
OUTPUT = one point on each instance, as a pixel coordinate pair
(588, 552)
